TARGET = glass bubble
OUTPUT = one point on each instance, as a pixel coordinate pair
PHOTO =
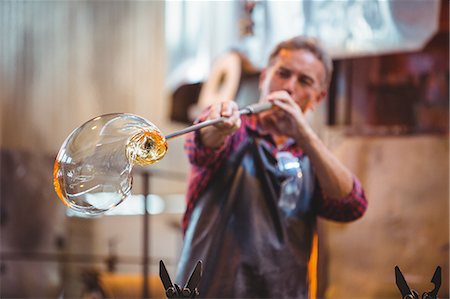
(92, 171)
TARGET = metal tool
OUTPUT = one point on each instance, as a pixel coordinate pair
(407, 293)
(436, 280)
(175, 291)
(403, 286)
(250, 109)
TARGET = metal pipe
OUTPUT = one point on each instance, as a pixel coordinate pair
(250, 109)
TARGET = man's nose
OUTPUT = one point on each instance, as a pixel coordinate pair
(289, 85)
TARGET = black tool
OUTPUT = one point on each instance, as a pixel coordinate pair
(407, 293)
(436, 280)
(403, 286)
(173, 290)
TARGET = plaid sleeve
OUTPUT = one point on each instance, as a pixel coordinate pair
(346, 209)
(198, 154)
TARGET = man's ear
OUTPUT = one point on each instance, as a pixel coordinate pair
(322, 95)
(318, 99)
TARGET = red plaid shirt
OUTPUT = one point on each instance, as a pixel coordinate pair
(206, 161)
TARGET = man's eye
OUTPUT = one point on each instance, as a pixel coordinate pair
(284, 74)
(306, 81)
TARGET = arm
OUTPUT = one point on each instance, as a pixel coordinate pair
(345, 209)
(341, 196)
(341, 193)
(209, 145)
(335, 179)
(214, 136)
(287, 119)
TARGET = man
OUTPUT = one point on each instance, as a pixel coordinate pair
(263, 247)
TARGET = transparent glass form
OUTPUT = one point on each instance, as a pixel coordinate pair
(92, 171)
(291, 187)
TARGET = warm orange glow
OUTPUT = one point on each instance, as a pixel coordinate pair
(146, 147)
(130, 285)
(312, 267)
(57, 184)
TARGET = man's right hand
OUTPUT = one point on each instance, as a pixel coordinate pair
(214, 136)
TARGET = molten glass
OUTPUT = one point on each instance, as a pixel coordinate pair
(92, 172)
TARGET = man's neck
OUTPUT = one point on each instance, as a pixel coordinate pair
(279, 140)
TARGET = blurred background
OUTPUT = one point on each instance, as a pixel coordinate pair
(386, 117)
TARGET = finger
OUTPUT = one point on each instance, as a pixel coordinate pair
(286, 106)
(233, 120)
(287, 101)
(228, 108)
(214, 111)
(281, 95)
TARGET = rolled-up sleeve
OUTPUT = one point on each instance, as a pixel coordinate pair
(346, 209)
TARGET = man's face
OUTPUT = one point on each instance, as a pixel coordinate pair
(297, 72)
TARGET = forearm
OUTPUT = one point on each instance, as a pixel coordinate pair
(335, 179)
(215, 136)
(207, 145)
(212, 137)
